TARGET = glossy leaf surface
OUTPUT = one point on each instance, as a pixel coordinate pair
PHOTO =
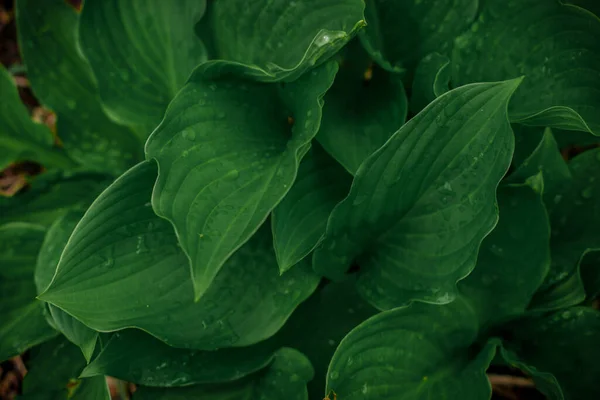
(420, 206)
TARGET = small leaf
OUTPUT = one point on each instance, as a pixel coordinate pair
(62, 80)
(431, 80)
(400, 33)
(284, 379)
(23, 322)
(413, 352)
(280, 39)
(554, 45)
(420, 206)
(363, 108)
(299, 221)
(228, 151)
(150, 48)
(546, 342)
(22, 139)
(120, 249)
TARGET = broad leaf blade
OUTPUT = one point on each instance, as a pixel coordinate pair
(121, 248)
(431, 80)
(150, 48)
(228, 151)
(363, 108)
(545, 42)
(280, 39)
(421, 205)
(299, 221)
(62, 80)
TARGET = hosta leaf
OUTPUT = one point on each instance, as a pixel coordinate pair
(514, 259)
(284, 379)
(62, 80)
(23, 323)
(575, 215)
(431, 80)
(120, 248)
(277, 40)
(228, 151)
(547, 159)
(552, 44)
(545, 342)
(21, 138)
(363, 108)
(590, 5)
(56, 238)
(135, 356)
(420, 206)
(299, 221)
(150, 48)
(421, 351)
(50, 379)
(51, 195)
(400, 33)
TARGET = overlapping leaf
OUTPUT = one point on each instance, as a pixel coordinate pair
(150, 48)
(554, 45)
(420, 206)
(62, 80)
(228, 151)
(431, 80)
(271, 40)
(120, 249)
(21, 138)
(363, 108)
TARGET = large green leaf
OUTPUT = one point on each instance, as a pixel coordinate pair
(120, 249)
(271, 40)
(400, 33)
(55, 241)
(420, 206)
(284, 379)
(62, 80)
(421, 351)
(575, 215)
(51, 195)
(363, 108)
(554, 45)
(150, 48)
(23, 322)
(21, 138)
(299, 221)
(547, 342)
(431, 80)
(135, 356)
(228, 151)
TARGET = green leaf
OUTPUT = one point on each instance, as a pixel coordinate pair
(52, 195)
(400, 33)
(120, 249)
(92, 389)
(552, 44)
(420, 206)
(273, 40)
(363, 108)
(431, 80)
(590, 274)
(23, 322)
(574, 215)
(62, 80)
(514, 259)
(228, 151)
(546, 342)
(284, 379)
(546, 158)
(416, 352)
(47, 261)
(299, 221)
(22, 139)
(591, 5)
(135, 356)
(148, 48)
